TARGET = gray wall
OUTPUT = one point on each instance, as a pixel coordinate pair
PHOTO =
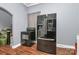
(19, 20)
(5, 19)
(67, 20)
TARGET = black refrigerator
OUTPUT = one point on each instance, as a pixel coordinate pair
(46, 33)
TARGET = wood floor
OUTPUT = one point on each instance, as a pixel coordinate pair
(64, 51)
(24, 50)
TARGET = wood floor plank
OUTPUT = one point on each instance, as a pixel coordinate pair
(25, 50)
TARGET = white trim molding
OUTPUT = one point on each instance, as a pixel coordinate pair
(65, 46)
(58, 45)
(15, 46)
(30, 4)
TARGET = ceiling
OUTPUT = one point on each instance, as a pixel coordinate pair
(30, 4)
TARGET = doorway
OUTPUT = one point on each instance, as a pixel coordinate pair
(32, 22)
(5, 27)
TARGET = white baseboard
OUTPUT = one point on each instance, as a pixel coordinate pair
(58, 45)
(15, 46)
(65, 46)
